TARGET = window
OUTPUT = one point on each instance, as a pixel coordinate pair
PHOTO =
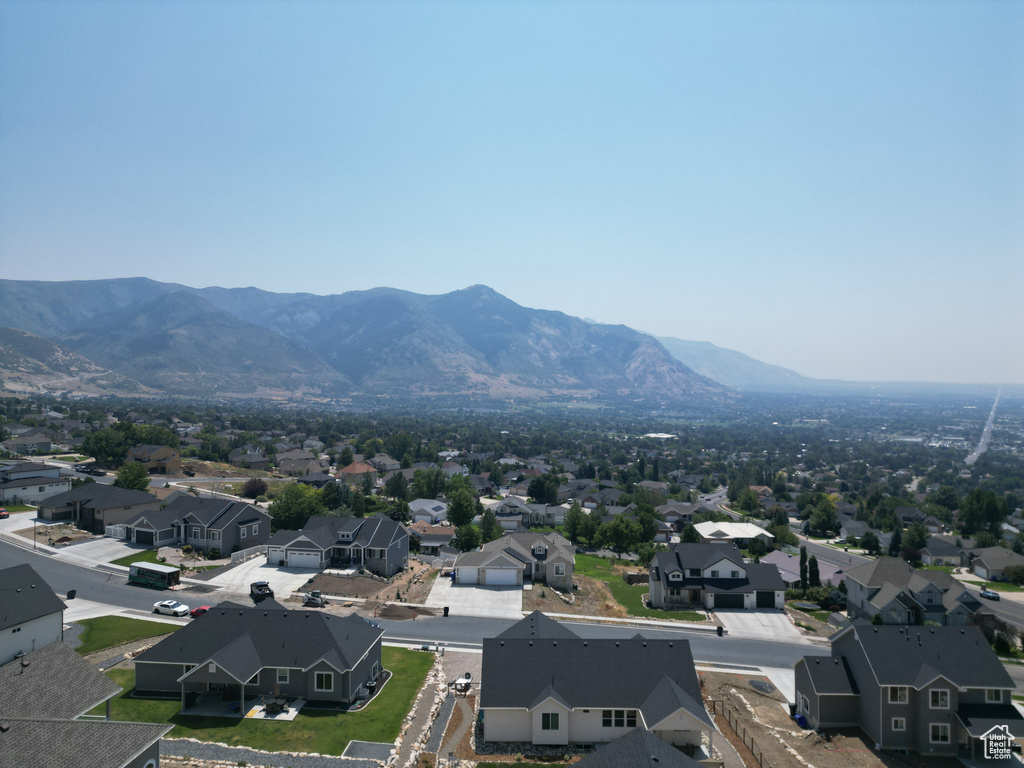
(940, 699)
(41, 489)
(243, 533)
(695, 572)
(714, 574)
(197, 533)
(618, 718)
(940, 733)
(212, 667)
(549, 721)
(993, 696)
(15, 630)
(324, 681)
(897, 694)
(255, 530)
(734, 574)
(282, 675)
(675, 576)
(559, 569)
(899, 723)
(215, 535)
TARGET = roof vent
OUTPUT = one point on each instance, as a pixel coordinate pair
(616, 643)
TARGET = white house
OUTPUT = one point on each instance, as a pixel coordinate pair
(31, 615)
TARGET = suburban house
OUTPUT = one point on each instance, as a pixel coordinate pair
(376, 543)
(27, 445)
(249, 456)
(639, 748)
(515, 557)
(677, 513)
(94, 506)
(237, 653)
(789, 569)
(933, 690)
(356, 472)
(29, 482)
(42, 695)
(31, 615)
(545, 685)
(205, 524)
(428, 510)
(740, 534)
(317, 479)
(159, 459)
(431, 538)
(941, 552)
(713, 576)
(891, 588)
(989, 562)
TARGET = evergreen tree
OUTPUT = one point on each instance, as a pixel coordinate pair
(803, 569)
(813, 577)
(896, 542)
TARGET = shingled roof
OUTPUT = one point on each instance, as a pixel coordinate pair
(25, 596)
(637, 749)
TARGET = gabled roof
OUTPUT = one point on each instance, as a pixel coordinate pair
(53, 682)
(537, 626)
(830, 676)
(378, 532)
(637, 749)
(892, 575)
(899, 655)
(216, 514)
(239, 637)
(48, 743)
(685, 556)
(25, 596)
(997, 557)
(98, 496)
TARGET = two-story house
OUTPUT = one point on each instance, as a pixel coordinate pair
(205, 524)
(161, 459)
(933, 690)
(891, 588)
(30, 482)
(31, 615)
(515, 557)
(376, 543)
(713, 576)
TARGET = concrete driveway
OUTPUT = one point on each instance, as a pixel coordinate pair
(283, 581)
(102, 550)
(477, 599)
(765, 624)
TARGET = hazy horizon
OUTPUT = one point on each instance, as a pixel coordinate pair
(832, 188)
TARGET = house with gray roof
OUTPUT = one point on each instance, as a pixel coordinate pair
(205, 524)
(789, 569)
(893, 589)
(43, 692)
(376, 543)
(31, 615)
(939, 551)
(933, 690)
(540, 684)
(515, 557)
(23, 483)
(94, 506)
(989, 562)
(428, 510)
(713, 576)
(639, 748)
(238, 653)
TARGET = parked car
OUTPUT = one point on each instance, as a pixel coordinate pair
(197, 612)
(4, 514)
(259, 591)
(171, 608)
(988, 594)
(90, 470)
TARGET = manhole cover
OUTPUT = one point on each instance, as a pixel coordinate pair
(762, 686)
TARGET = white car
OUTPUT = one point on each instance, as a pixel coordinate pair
(171, 608)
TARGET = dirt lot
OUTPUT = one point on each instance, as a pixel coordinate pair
(593, 598)
(765, 715)
(411, 585)
(55, 535)
(817, 628)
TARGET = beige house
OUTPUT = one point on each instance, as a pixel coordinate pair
(516, 557)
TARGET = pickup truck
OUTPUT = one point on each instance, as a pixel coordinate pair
(260, 591)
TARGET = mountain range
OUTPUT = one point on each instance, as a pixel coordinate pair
(140, 336)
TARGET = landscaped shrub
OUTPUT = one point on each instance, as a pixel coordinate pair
(1001, 645)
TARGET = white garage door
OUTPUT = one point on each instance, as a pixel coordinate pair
(274, 556)
(499, 576)
(303, 559)
(467, 575)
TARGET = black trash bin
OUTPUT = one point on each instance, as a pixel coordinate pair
(721, 631)
(72, 593)
(446, 611)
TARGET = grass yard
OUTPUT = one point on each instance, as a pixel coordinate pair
(18, 508)
(142, 556)
(108, 631)
(1001, 586)
(320, 731)
(628, 596)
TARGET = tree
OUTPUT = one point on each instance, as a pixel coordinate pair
(294, 506)
(917, 536)
(1014, 574)
(986, 539)
(574, 522)
(466, 538)
(589, 527)
(803, 569)
(689, 535)
(428, 483)
(544, 489)
(461, 511)
(896, 542)
(335, 496)
(748, 501)
(824, 520)
(620, 535)
(346, 457)
(396, 487)
(869, 543)
(757, 549)
(982, 511)
(490, 528)
(253, 487)
(813, 577)
(133, 476)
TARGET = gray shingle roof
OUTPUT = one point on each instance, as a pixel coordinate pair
(537, 626)
(830, 675)
(44, 743)
(99, 496)
(25, 596)
(52, 682)
(276, 638)
(637, 749)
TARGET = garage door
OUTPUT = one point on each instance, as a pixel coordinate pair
(765, 599)
(467, 575)
(499, 576)
(143, 537)
(304, 559)
(728, 601)
(275, 556)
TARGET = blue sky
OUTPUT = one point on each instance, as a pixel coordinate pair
(835, 187)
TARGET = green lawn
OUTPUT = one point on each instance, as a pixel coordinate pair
(947, 568)
(142, 556)
(18, 508)
(108, 631)
(629, 596)
(821, 616)
(320, 731)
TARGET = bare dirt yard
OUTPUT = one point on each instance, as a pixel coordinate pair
(409, 586)
(593, 598)
(760, 709)
(809, 625)
(55, 535)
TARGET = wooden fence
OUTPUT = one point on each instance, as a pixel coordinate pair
(732, 717)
